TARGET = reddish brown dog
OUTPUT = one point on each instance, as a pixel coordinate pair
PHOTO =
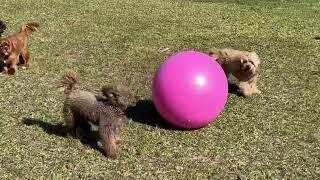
(14, 49)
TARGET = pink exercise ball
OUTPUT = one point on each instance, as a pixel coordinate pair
(190, 90)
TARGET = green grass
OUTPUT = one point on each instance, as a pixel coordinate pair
(272, 136)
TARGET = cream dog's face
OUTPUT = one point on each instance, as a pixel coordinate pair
(251, 63)
(235, 61)
(243, 65)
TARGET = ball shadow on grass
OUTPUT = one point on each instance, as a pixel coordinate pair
(145, 113)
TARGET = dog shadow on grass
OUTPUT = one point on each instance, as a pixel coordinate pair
(145, 113)
(58, 129)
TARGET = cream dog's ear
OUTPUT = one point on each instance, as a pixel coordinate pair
(224, 52)
(217, 54)
(213, 52)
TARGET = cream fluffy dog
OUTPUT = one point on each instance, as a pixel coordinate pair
(243, 65)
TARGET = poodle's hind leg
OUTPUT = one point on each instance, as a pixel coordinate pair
(108, 140)
(70, 119)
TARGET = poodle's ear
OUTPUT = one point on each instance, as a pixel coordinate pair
(122, 89)
(109, 92)
(101, 98)
(119, 96)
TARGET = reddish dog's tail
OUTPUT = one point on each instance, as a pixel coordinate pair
(30, 27)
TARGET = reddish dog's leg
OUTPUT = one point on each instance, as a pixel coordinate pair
(25, 57)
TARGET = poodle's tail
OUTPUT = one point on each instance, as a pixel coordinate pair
(71, 81)
(29, 28)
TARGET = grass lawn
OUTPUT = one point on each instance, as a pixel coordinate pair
(274, 135)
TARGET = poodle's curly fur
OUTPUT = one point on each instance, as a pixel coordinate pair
(106, 111)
